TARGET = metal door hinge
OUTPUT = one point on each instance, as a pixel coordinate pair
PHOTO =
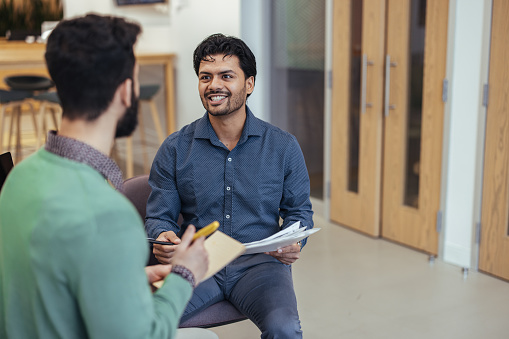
(445, 90)
(478, 233)
(439, 221)
(485, 93)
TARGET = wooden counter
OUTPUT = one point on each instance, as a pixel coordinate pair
(18, 58)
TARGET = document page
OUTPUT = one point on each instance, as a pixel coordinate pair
(285, 237)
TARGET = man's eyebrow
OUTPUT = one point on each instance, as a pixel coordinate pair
(227, 71)
(222, 72)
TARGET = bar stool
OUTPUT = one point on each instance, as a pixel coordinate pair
(147, 93)
(28, 83)
(13, 100)
(49, 101)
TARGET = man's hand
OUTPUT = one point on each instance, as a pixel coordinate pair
(192, 254)
(164, 253)
(156, 273)
(287, 255)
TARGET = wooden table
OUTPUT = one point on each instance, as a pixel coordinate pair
(18, 57)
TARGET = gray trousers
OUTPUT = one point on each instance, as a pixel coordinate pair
(261, 287)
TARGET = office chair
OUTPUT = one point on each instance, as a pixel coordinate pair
(137, 190)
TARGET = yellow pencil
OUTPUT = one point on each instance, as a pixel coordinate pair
(207, 230)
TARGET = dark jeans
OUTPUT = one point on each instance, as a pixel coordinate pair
(260, 287)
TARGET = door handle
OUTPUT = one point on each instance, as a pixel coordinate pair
(387, 96)
(364, 70)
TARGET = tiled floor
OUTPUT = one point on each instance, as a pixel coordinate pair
(352, 286)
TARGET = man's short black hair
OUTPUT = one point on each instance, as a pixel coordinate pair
(88, 58)
(227, 45)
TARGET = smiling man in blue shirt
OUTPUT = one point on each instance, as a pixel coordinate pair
(235, 168)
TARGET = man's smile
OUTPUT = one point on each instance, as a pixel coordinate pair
(217, 99)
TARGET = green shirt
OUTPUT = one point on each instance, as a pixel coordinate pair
(72, 257)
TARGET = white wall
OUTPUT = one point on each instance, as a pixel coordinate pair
(176, 28)
(255, 28)
(464, 128)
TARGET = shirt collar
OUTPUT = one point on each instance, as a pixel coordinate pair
(78, 151)
(252, 127)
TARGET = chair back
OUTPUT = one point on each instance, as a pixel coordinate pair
(137, 190)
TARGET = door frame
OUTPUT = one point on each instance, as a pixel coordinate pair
(450, 197)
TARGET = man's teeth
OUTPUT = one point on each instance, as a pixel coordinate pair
(217, 98)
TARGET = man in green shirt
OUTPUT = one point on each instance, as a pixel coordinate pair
(72, 247)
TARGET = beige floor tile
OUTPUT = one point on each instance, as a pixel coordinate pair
(352, 286)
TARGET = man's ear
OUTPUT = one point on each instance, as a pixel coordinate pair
(250, 82)
(125, 90)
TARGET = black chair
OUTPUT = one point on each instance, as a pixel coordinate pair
(6, 165)
(137, 190)
(30, 83)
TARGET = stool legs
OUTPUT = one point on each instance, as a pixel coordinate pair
(42, 124)
(45, 106)
(16, 111)
(17, 116)
(3, 108)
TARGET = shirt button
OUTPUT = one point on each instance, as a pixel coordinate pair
(227, 216)
(230, 159)
(228, 188)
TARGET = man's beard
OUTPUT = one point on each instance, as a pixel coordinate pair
(127, 124)
(234, 103)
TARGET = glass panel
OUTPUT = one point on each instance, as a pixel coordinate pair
(297, 79)
(355, 95)
(414, 120)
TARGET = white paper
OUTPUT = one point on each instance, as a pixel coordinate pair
(288, 236)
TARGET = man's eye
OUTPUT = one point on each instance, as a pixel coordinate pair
(227, 76)
(204, 77)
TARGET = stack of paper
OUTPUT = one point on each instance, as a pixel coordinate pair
(288, 236)
(223, 249)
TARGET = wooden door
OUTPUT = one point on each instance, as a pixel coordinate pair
(358, 58)
(415, 70)
(400, 116)
(494, 245)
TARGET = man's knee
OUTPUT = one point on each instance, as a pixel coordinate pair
(281, 323)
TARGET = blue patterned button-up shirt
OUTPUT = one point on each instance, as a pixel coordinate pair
(247, 189)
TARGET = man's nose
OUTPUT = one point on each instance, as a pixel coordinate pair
(216, 83)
